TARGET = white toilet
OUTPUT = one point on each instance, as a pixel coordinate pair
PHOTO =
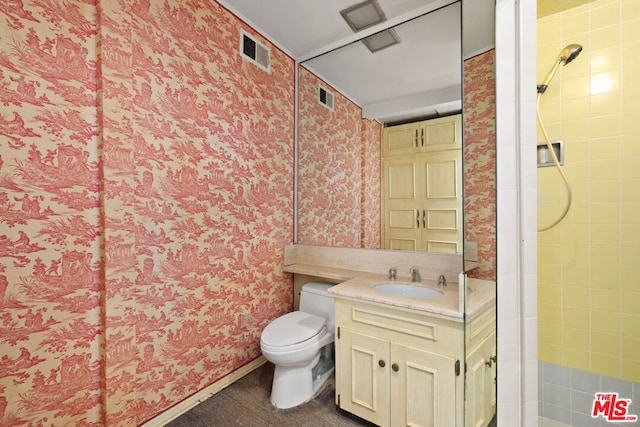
(300, 345)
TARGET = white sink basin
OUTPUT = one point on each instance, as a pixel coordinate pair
(407, 290)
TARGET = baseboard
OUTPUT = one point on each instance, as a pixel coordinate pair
(184, 406)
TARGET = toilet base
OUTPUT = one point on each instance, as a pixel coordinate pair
(295, 386)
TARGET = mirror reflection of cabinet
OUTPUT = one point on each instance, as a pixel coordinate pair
(481, 382)
(481, 367)
(422, 189)
(444, 133)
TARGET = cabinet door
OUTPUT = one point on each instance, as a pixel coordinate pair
(439, 134)
(362, 376)
(440, 193)
(401, 216)
(481, 389)
(422, 202)
(423, 389)
(401, 139)
(444, 133)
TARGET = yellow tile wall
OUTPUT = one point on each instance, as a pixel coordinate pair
(589, 265)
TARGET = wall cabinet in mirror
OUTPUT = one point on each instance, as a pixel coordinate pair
(444, 133)
(422, 191)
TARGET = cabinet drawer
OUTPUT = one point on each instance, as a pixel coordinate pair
(392, 324)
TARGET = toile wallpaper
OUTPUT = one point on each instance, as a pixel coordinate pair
(146, 196)
(371, 184)
(480, 161)
(339, 184)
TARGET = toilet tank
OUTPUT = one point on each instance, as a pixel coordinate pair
(316, 299)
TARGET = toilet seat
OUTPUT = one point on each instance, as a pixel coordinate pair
(293, 331)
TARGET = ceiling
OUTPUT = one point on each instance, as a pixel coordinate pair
(419, 77)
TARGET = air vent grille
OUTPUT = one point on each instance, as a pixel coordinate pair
(325, 98)
(255, 51)
(381, 40)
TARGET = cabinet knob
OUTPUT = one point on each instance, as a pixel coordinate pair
(395, 367)
(381, 363)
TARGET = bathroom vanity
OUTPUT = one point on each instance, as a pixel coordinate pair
(396, 365)
(401, 360)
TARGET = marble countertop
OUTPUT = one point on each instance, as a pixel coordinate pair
(448, 306)
(363, 289)
(359, 285)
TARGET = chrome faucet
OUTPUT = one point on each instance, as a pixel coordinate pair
(442, 281)
(392, 273)
(415, 274)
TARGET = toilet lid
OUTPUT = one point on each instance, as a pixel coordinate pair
(292, 328)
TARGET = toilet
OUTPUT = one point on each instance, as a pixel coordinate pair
(300, 345)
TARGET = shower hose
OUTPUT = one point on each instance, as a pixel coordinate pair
(559, 168)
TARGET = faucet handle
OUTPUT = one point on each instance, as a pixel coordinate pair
(415, 274)
(442, 281)
(392, 273)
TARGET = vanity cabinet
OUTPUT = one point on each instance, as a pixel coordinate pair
(397, 367)
(443, 133)
(400, 367)
(392, 384)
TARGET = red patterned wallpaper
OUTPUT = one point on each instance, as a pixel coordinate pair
(339, 186)
(330, 178)
(371, 182)
(146, 187)
(480, 161)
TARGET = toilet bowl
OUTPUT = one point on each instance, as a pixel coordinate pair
(300, 345)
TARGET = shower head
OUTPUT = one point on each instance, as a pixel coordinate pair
(568, 54)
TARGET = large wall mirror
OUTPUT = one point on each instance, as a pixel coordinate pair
(432, 66)
(438, 67)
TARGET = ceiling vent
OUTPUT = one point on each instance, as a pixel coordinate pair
(255, 51)
(325, 97)
(363, 15)
(381, 40)
(367, 14)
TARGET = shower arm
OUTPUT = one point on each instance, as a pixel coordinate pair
(553, 156)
